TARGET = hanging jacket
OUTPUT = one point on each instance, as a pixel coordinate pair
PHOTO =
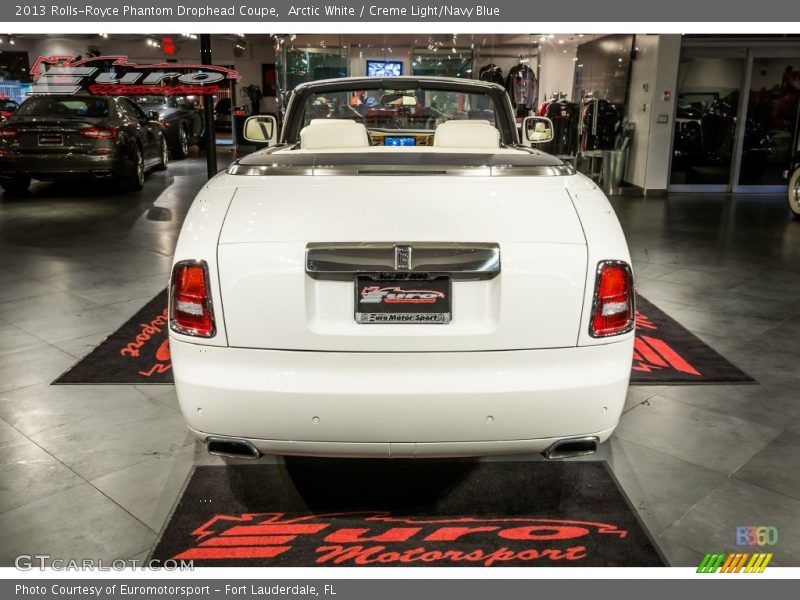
(564, 115)
(522, 86)
(491, 73)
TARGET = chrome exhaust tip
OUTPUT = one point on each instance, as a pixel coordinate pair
(568, 447)
(231, 448)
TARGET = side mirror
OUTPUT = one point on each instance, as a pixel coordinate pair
(262, 129)
(153, 115)
(536, 130)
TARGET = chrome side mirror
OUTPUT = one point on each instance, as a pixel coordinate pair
(536, 130)
(261, 129)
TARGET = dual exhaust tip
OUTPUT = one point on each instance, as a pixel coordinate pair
(232, 448)
(569, 447)
(240, 448)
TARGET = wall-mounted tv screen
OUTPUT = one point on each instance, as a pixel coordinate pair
(384, 68)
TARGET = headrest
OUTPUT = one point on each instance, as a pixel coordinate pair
(466, 134)
(333, 133)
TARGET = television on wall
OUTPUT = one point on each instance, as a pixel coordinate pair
(384, 68)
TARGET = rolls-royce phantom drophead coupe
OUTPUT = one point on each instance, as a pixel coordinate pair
(400, 273)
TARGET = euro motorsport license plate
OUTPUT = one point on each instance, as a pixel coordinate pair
(403, 300)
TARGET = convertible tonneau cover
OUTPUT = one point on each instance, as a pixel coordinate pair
(401, 163)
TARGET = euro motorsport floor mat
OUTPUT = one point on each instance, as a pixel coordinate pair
(665, 352)
(317, 512)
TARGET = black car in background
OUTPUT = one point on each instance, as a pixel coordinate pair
(182, 118)
(224, 115)
(7, 107)
(60, 137)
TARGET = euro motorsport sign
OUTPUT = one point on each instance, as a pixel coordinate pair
(115, 75)
(380, 539)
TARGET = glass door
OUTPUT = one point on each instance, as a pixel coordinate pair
(704, 141)
(771, 127)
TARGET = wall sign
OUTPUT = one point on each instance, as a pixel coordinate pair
(116, 76)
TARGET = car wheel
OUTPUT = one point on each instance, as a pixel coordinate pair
(794, 193)
(134, 179)
(16, 186)
(182, 147)
(162, 165)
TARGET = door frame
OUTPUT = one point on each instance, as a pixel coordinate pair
(747, 49)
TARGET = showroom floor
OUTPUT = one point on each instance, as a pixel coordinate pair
(93, 471)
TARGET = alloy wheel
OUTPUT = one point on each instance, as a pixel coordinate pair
(184, 142)
(139, 166)
(794, 193)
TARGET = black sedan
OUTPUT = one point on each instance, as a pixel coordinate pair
(7, 108)
(60, 137)
(182, 118)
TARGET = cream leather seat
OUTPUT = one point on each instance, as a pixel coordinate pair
(540, 132)
(466, 134)
(322, 134)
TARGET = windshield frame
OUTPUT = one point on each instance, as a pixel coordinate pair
(295, 114)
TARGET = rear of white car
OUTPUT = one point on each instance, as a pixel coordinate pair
(401, 278)
(269, 355)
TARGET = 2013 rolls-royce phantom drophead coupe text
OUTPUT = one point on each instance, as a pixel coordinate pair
(400, 273)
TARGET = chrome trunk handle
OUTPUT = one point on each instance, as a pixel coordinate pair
(461, 260)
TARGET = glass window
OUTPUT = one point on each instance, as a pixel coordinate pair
(771, 129)
(705, 120)
(399, 109)
(65, 107)
(313, 64)
(442, 62)
(130, 110)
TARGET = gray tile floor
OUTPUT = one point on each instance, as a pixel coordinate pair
(95, 470)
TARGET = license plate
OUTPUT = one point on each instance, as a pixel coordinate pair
(396, 300)
(51, 139)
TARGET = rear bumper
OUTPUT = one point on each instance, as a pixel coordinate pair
(401, 404)
(50, 167)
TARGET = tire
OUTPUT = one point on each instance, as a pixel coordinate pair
(16, 186)
(181, 149)
(794, 193)
(162, 165)
(133, 179)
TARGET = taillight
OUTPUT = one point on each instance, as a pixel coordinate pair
(613, 310)
(8, 132)
(190, 309)
(239, 112)
(99, 133)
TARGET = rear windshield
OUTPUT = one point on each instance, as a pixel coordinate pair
(399, 110)
(48, 106)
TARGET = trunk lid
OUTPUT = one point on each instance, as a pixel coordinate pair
(54, 136)
(270, 301)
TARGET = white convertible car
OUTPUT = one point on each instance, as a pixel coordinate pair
(398, 275)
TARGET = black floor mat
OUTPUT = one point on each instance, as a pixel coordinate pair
(666, 352)
(317, 512)
(137, 352)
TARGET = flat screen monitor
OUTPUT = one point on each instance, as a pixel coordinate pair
(384, 68)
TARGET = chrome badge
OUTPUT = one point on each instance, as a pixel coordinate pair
(402, 258)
